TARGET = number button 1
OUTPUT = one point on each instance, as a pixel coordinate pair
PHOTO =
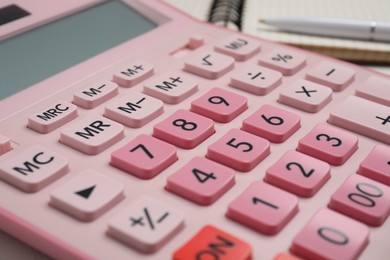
(329, 144)
(201, 181)
(239, 150)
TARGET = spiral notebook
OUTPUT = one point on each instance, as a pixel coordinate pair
(244, 15)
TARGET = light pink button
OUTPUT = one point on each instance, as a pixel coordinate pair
(87, 196)
(331, 235)
(298, 173)
(52, 117)
(92, 135)
(184, 129)
(239, 150)
(283, 60)
(328, 143)
(133, 74)
(220, 105)
(33, 169)
(5, 144)
(211, 65)
(363, 199)
(264, 208)
(146, 225)
(238, 47)
(171, 87)
(375, 89)
(135, 110)
(272, 123)
(144, 157)
(201, 181)
(305, 95)
(331, 74)
(256, 80)
(364, 117)
(95, 94)
(376, 165)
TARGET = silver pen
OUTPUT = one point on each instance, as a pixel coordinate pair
(340, 28)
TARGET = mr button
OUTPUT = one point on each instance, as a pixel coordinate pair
(212, 243)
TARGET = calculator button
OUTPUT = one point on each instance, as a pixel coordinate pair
(256, 80)
(286, 256)
(134, 110)
(272, 123)
(264, 208)
(213, 243)
(219, 105)
(362, 199)
(211, 65)
(329, 144)
(33, 169)
(375, 89)
(239, 150)
(5, 144)
(51, 117)
(238, 47)
(298, 173)
(376, 165)
(144, 157)
(87, 196)
(286, 61)
(201, 181)
(146, 225)
(306, 96)
(184, 129)
(95, 94)
(364, 117)
(92, 135)
(133, 74)
(331, 235)
(332, 75)
(171, 87)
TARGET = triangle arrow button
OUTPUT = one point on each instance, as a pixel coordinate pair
(85, 193)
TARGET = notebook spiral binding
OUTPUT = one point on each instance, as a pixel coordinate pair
(227, 13)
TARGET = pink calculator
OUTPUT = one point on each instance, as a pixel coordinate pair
(129, 130)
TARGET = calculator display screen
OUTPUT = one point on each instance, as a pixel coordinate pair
(35, 55)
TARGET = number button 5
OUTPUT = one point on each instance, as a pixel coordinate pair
(329, 144)
(239, 150)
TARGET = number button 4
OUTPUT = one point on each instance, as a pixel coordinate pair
(239, 150)
(298, 173)
(272, 123)
(201, 181)
(264, 208)
(184, 129)
(144, 157)
(329, 144)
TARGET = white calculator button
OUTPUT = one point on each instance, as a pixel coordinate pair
(171, 87)
(331, 74)
(238, 47)
(87, 196)
(133, 74)
(147, 224)
(256, 79)
(135, 110)
(364, 117)
(95, 94)
(92, 135)
(34, 168)
(211, 65)
(5, 144)
(375, 89)
(51, 117)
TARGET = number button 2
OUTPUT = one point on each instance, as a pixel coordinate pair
(239, 150)
(329, 144)
(201, 181)
(298, 173)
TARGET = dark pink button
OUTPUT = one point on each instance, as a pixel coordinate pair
(376, 165)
